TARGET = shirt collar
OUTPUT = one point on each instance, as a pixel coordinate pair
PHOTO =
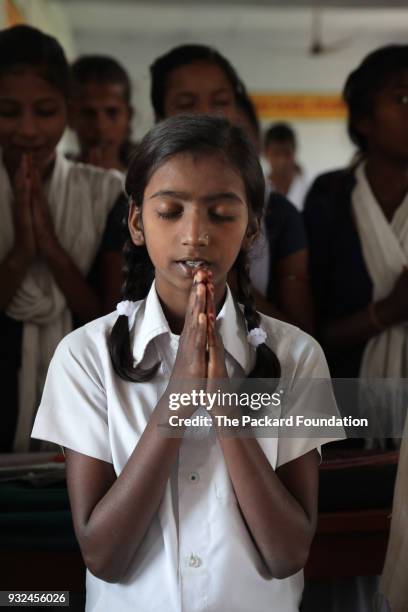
(232, 327)
(150, 322)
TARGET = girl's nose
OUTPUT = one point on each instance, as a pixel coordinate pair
(101, 124)
(195, 232)
(27, 126)
(204, 107)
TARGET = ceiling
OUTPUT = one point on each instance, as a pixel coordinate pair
(272, 3)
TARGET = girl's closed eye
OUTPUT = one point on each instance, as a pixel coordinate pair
(222, 214)
(185, 103)
(46, 110)
(9, 112)
(169, 213)
(8, 109)
(222, 101)
(218, 214)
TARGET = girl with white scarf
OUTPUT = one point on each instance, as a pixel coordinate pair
(53, 212)
(366, 207)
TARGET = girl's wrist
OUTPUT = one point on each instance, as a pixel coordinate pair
(382, 314)
(22, 254)
(51, 248)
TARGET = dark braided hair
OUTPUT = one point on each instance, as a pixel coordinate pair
(266, 360)
(198, 135)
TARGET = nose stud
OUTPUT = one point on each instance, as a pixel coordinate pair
(203, 239)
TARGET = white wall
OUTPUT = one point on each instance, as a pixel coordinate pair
(268, 46)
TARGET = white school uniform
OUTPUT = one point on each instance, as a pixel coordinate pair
(79, 199)
(197, 554)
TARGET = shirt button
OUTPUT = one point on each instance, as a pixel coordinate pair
(194, 561)
(194, 477)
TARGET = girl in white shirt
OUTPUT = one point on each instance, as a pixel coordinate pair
(201, 521)
(53, 216)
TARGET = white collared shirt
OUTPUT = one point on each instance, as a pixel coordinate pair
(197, 554)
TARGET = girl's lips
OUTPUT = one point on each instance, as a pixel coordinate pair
(191, 271)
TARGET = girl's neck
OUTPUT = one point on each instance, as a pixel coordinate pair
(282, 182)
(388, 181)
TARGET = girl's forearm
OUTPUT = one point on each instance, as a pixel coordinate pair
(357, 328)
(278, 523)
(81, 298)
(12, 271)
(114, 529)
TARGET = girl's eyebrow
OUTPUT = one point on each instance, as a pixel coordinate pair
(232, 197)
(207, 199)
(167, 193)
(11, 99)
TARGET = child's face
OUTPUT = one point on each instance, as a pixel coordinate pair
(281, 157)
(100, 115)
(200, 87)
(386, 128)
(194, 209)
(33, 116)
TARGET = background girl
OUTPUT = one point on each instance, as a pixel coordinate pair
(53, 216)
(357, 223)
(201, 521)
(198, 79)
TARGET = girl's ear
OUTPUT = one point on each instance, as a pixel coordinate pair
(251, 234)
(364, 125)
(135, 225)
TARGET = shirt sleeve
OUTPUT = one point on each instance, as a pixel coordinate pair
(310, 396)
(73, 409)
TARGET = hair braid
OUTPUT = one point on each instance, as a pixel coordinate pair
(244, 292)
(267, 364)
(138, 273)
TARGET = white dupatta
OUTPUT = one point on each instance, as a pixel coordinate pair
(385, 358)
(80, 198)
(385, 250)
